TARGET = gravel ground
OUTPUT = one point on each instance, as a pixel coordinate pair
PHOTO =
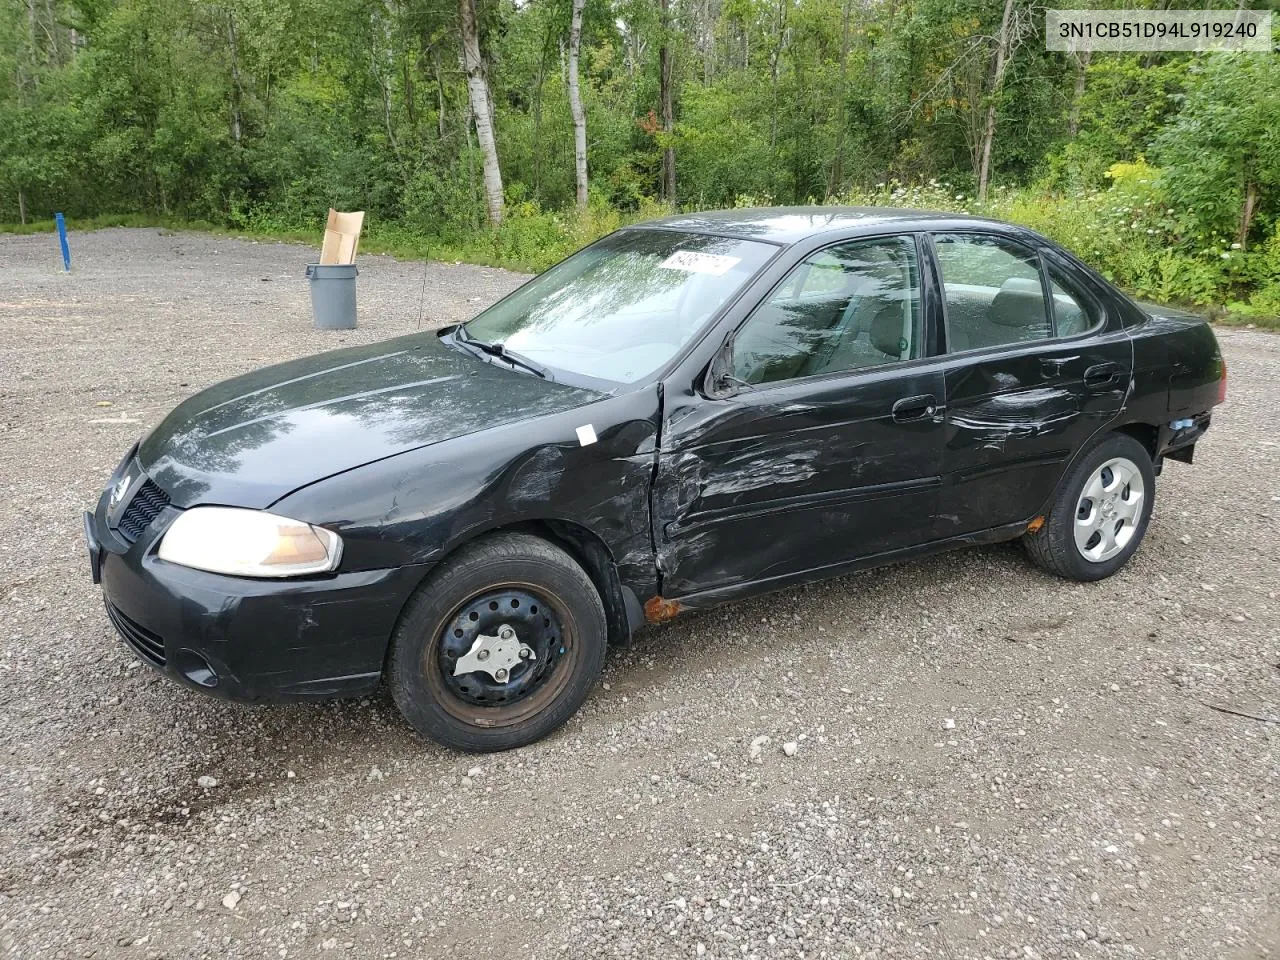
(964, 757)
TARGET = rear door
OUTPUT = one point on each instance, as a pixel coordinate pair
(831, 447)
(1036, 367)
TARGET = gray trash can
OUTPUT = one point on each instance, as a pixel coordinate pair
(333, 295)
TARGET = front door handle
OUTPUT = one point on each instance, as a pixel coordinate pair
(1101, 374)
(914, 408)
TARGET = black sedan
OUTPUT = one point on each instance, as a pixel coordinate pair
(684, 413)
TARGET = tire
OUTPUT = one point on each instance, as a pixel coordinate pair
(1097, 500)
(513, 586)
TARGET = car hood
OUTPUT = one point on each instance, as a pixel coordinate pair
(254, 439)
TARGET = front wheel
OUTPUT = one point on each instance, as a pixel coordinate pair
(499, 647)
(1099, 514)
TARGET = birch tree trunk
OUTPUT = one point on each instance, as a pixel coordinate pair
(989, 129)
(775, 64)
(51, 31)
(388, 122)
(575, 106)
(34, 75)
(708, 30)
(1077, 94)
(440, 101)
(481, 109)
(237, 91)
(837, 166)
(668, 111)
(1247, 211)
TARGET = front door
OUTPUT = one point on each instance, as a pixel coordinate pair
(830, 449)
(1035, 368)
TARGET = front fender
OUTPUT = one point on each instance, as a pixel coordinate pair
(418, 506)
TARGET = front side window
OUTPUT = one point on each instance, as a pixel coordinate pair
(623, 307)
(993, 292)
(845, 308)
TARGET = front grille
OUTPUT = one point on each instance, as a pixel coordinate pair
(142, 641)
(143, 508)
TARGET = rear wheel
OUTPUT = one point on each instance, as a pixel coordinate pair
(500, 646)
(1099, 514)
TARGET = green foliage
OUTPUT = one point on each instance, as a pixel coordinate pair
(1127, 231)
(1263, 305)
(1125, 102)
(1222, 151)
(257, 117)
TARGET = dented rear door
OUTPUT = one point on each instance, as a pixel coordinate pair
(1017, 413)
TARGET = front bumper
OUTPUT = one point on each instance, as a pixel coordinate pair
(244, 639)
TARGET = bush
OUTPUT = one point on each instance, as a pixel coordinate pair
(1129, 232)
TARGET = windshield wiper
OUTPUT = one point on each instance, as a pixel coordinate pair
(502, 353)
(519, 359)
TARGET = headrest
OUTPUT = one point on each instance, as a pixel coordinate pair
(886, 329)
(1017, 308)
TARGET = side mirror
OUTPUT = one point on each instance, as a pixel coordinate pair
(720, 383)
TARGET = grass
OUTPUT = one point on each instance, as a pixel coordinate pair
(530, 240)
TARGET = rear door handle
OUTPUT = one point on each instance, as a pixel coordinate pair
(1101, 374)
(1052, 366)
(914, 408)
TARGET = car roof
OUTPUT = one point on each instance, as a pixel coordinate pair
(788, 225)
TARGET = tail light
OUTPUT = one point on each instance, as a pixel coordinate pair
(1222, 380)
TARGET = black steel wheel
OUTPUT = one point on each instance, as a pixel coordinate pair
(536, 626)
(500, 646)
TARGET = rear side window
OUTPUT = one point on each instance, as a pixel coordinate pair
(1073, 311)
(993, 291)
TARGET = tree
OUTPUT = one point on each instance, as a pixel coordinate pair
(665, 98)
(1081, 60)
(1118, 104)
(1221, 153)
(837, 165)
(1004, 50)
(481, 109)
(249, 114)
(575, 107)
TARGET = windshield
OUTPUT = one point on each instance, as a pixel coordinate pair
(623, 307)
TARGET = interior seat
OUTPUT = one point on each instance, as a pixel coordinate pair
(886, 330)
(1016, 315)
(1021, 311)
(1071, 316)
(787, 341)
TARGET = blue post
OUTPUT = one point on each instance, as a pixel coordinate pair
(62, 239)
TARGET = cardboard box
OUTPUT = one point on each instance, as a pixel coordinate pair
(341, 237)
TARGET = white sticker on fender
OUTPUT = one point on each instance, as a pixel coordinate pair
(586, 435)
(691, 261)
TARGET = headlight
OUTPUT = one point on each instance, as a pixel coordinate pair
(249, 543)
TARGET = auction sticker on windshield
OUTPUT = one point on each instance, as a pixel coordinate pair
(691, 261)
